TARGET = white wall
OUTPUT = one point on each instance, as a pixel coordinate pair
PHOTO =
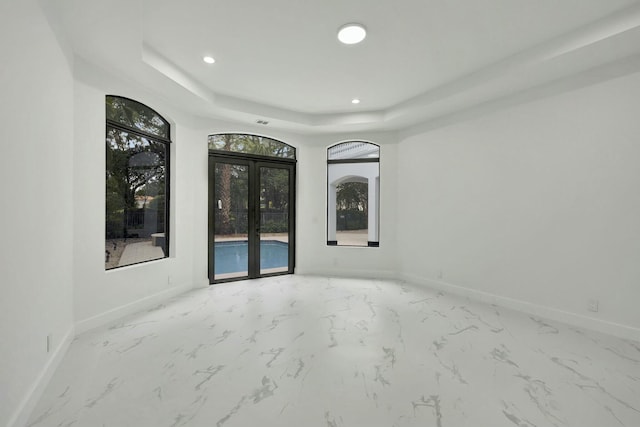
(102, 296)
(313, 254)
(537, 206)
(36, 172)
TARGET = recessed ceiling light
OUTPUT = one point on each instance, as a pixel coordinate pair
(208, 59)
(355, 101)
(352, 33)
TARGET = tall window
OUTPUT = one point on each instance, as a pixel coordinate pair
(353, 189)
(137, 184)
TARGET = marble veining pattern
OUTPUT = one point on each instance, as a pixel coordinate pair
(316, 351)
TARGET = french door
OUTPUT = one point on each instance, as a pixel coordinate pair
(251, 217)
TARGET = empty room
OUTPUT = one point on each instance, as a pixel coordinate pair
(320, 213)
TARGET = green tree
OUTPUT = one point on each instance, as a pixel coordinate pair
(133, 163)
(225, 190)
(352, 205)
(353, 196)
(231, 180)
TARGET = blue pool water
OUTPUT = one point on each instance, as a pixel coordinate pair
(231, 257)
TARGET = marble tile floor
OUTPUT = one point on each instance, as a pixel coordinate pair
(316, 351)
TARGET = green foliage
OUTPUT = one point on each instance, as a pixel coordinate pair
(157, 203)
(352, 196)
(251, 144)
(231, 189)
(136, 115)
(274, 188)
(135, 167)
(352, 206)
(274, 227)
(351, 219)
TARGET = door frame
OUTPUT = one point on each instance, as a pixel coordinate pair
(254, 162)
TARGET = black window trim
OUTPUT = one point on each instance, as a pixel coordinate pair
(126, 128)
(254, 156)
(135, 129)
(257, 157)
(370, 244)
(237, 157)
(167, 142)
(371, 160)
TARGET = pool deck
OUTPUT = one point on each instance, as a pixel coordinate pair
(280, 237)
(144, 251)
(353, 238)
(139, 252)
(345, 238)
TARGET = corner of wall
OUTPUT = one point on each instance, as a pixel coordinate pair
(348, 273)
(130, 308)
(603, 326)
(29, 402)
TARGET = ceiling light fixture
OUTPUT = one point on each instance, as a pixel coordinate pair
(355, 101)
(352, 33)
(208, 59)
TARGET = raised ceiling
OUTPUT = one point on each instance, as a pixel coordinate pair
(422, 61)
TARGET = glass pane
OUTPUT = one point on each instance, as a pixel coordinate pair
(251, 144)
(274, 220)
(353, 200)
(136, 115)
(352, 213)
(135, 199)
(231, 221)
(354, 150)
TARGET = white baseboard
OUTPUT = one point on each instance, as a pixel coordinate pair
(130, 308)
(350, 273)
(575, 319)
(29, 402)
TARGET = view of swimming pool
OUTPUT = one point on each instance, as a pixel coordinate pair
(231, 257)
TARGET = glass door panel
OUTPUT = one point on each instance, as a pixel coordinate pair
(251, 218)
(274, 209)
(231, 221)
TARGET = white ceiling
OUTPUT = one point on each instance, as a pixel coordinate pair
(280, 61)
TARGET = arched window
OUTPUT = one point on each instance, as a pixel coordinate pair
(251, 207)
(251, 144)
(353, 189)
(137, 183)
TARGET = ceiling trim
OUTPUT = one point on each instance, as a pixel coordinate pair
(610, 40)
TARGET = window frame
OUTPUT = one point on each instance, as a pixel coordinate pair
(370, 243)
(166, 141)
(254, 162)
(288, 159)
